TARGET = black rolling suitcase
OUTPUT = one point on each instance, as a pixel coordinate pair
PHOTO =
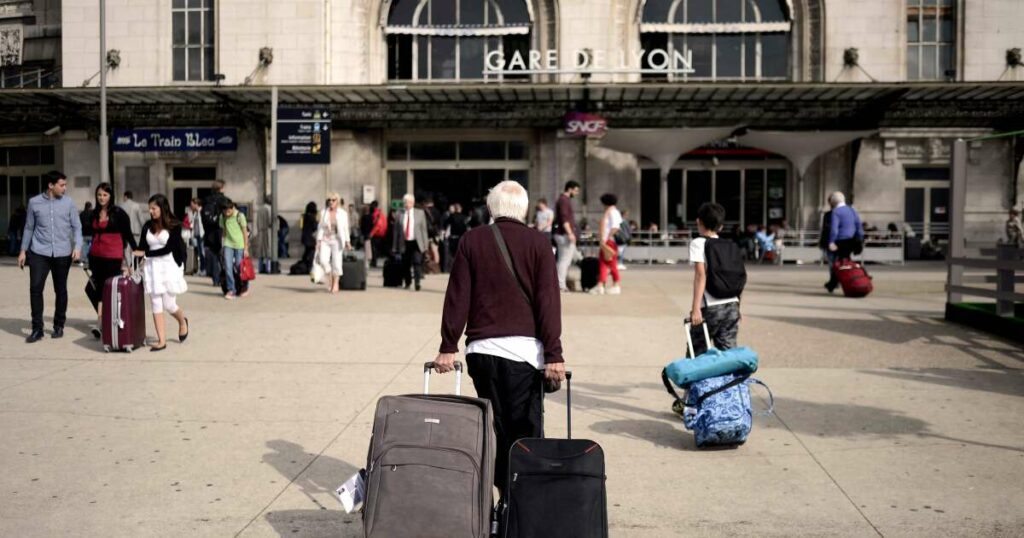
(589, 267)
(556, 487)
(353, 272)
(393, 272)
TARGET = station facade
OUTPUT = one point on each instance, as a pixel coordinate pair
(417, 92)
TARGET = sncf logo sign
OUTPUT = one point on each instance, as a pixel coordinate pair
(583, 124)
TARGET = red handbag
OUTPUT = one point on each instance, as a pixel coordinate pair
(247, 272)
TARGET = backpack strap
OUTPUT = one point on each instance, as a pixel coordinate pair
(771, 398)
(738, 381)
(503, 247)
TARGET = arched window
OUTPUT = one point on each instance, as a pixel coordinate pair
(450, 39)
(729, 39)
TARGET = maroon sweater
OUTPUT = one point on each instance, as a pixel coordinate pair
(482, 292)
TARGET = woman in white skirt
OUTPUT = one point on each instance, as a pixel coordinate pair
(333, 239)
(164, 269)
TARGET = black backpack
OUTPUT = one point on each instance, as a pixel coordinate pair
(726, 273)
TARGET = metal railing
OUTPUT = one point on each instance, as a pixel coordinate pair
(801, 246)
(648, 247)
(1007, 261)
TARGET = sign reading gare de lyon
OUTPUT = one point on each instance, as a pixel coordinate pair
(588, 60)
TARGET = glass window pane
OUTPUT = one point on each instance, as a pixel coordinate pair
(913, 30)
(697, 12)
(698, 191)
(753, 211)
(775, 55)
(651, 41)
(946, 61)
(179, 64)
(518, 151)
(946, 29)
(397, 151)
(701, 47)
(913, 205)
(514, 11)
(178, 30)
(771, 11)
(195, 64)
(423, 55)
(399, 57)
(656, 10)
(516, 43)
(46, 155)
(491, 151)
(471, 12)
(728, 55)
(195, 3)
(940, 205)
(442, 58)
(471, 57)
(931, 173)
(727, 193)
(402, 12)
(750, 55)
(442, 12)
(178, 4)
(397, 183)
(729, 11)
(929, 29)
(195, 27)
(208, 65)
(208, 27)
(432, 151)
(24, 156)
(776, 195)
(929, 57)
(913, 62)
(930, 2)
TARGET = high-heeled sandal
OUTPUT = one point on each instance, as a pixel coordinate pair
(182, 337)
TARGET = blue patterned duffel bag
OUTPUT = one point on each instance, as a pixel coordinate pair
(718, 410)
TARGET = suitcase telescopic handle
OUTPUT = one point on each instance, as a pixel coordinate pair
(568, 404)
(428, 366)
(690, 350)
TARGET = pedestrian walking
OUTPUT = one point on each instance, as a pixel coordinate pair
(212, 209)
(544, 217)
(309, 223)
(234, 230)
(721, 313)
(608, 259)
(379, 233)
(845, 236)
(263, 233)
(193, 232)
(282, 237)
(503, 294)
(1014, 229)
(164, 268)
(458, 225)
(15, 226)
(333, 239)
(623, 237)
(365, 229)
(51, 241)
(112, 236)
(411, 240)
(86, 219)
(564, 231)
(137, 213)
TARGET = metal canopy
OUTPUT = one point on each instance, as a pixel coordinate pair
(643, 105)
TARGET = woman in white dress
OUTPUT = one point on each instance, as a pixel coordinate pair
(333, 239)
(164, 268)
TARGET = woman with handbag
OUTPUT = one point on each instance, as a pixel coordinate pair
(164, 268)
(112, 233)
(333, 239)
(611, 221)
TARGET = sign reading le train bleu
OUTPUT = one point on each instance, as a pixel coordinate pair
(303, 136)
(176, 140)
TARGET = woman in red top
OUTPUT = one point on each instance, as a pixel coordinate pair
(112, 232)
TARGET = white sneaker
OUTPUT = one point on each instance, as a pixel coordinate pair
(615, 290)
(622, 267)
(597, 290)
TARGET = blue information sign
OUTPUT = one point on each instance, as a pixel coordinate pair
(176, 139)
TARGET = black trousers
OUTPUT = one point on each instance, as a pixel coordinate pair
(412, 263)
(40, 267)
(514, 389)
(102, 269)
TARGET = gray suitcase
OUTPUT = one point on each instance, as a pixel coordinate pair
(430, 466)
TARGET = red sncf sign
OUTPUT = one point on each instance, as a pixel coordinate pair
(584, 124)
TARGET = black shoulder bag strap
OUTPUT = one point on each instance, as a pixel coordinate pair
(503, 247)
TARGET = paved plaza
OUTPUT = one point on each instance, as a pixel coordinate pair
(888, 421)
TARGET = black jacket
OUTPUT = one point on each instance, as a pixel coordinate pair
(175, 245)
(118, 222)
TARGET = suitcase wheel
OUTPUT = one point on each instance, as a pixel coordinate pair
(128, 349)
(106, 349)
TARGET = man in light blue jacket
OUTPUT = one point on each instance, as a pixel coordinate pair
(52, 240)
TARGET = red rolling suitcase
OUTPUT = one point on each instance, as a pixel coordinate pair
(124, 313)
(856, 282)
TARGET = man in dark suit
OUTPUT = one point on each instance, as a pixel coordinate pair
(411, 240)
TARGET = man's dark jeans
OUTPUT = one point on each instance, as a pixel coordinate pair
(412, 263)
(514, 389)
(39, 268)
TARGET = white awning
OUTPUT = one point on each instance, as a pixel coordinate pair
(801, 147)
(663, 146)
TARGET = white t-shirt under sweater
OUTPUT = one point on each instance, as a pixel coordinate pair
(514, 348)
(697, 256)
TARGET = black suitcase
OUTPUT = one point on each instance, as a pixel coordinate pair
(556, 487)
(589, 268)
(353, 272)
(393, 272)
(299, 268)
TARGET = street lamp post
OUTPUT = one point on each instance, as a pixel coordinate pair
(104, 141)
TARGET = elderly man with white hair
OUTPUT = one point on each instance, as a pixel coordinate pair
(411, 240)
(503, 293)
(845, 235)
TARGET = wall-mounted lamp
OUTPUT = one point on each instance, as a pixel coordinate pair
(113, 58)
(266, 56)
(1013, 57)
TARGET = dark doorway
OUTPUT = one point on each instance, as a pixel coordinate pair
(451, 186)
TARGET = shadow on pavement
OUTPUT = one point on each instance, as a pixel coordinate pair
(668, 433)
(318, 478)
(1002, 381)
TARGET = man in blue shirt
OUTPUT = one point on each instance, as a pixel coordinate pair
(52, 240)
(845, 235)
